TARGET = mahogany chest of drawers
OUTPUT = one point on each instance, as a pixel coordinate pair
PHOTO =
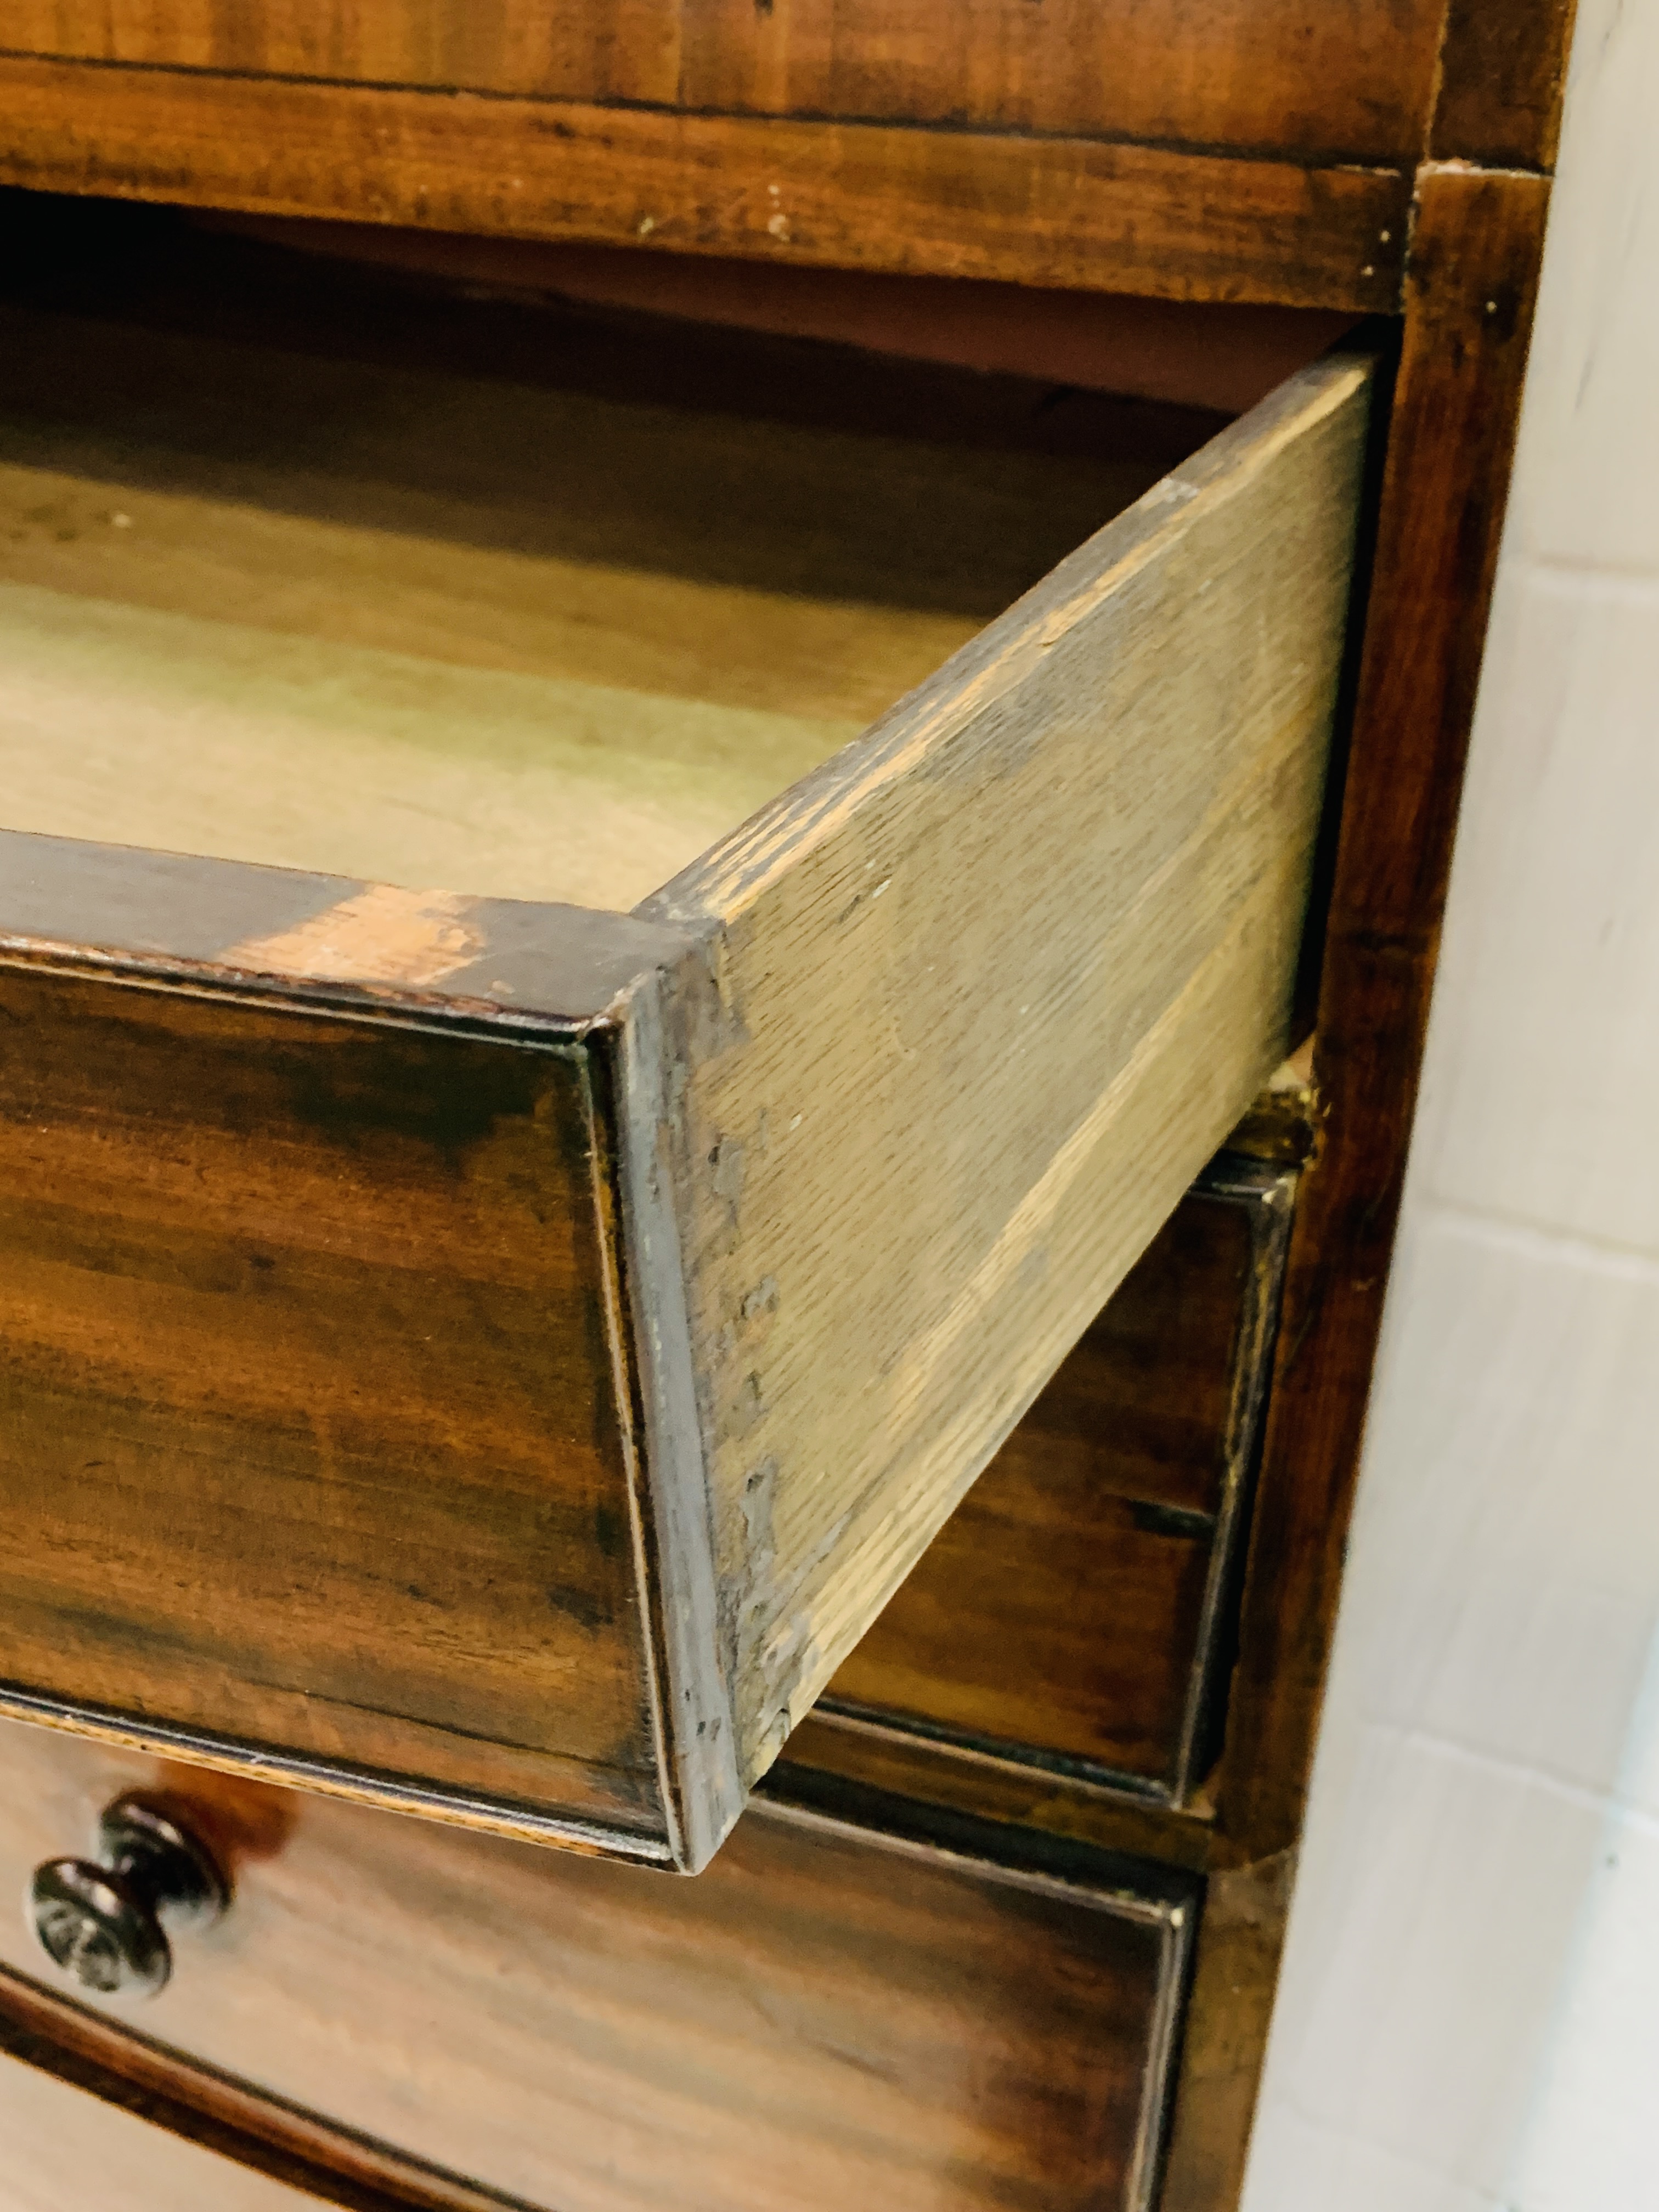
(696, 700)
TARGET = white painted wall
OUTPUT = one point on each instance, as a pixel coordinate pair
(1469, 2016)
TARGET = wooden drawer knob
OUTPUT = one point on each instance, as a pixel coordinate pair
(102, 1922)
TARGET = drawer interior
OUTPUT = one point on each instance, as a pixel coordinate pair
(327, 568)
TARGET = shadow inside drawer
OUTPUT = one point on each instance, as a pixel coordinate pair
(1074, 1613)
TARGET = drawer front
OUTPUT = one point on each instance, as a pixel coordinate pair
(279, 1396)
(1073, 1612)
(497, 1356)
(831, 2014)
(65, 2151)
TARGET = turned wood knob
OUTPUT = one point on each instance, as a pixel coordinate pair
(103, 1923)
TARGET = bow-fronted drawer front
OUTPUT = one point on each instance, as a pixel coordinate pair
(493, 1350)
(857, 2004)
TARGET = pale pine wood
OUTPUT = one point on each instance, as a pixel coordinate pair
(271, 602)
(974, 1006)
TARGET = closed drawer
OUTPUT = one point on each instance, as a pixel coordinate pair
(65, 2151)
(1075, 1611)
(834, 2013)
(496, 1349)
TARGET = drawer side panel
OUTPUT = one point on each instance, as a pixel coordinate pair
(976, 1003)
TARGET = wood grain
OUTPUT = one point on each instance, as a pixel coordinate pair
(1503, 68)
(913, 1768)
(917, 1147)
(254, 1516)
(1261, 75)
(243, 1497)
(188, 2103)
(1185, 784)
(63, 2149)
(1475, 257)
(1283, 77)
(1071, 211)
(830, 2015)
(297, 573)
(1069, 1614)
(1229, 2009)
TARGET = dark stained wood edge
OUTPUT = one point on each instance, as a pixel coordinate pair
(220, 2113)
(1269, 1198)
(231, 923)
(1240, 1938)
(1095, 1873)
(1471, 288)
(922, 1773)
(395, 1793)
(1503, 69)
(1075, 213)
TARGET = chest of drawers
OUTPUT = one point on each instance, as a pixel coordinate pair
(507, 1353)
(593, 1309)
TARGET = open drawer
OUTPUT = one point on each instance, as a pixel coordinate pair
(493, 1350)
